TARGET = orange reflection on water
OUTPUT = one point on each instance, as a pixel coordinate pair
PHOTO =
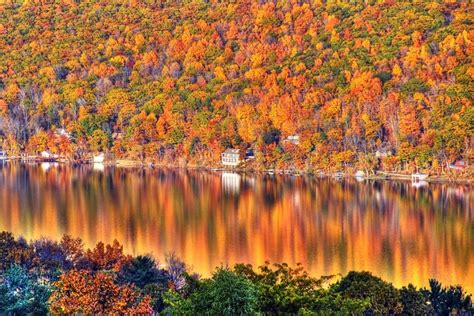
(398, 232)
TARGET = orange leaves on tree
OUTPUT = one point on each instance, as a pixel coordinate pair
(409, 123)
(3, 107)
(87, 293)
(107, 257)
(246, 117)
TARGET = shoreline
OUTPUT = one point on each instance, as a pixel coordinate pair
(346, 174)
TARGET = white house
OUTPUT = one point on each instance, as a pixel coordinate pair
(47, 155)
(63, 132)
(231, 157)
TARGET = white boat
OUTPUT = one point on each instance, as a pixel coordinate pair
(359, 174)
(338, 175)
(3, 156)
(99, 158)
(416, 177)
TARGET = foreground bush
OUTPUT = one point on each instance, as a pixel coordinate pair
(226, 293)
(44, 276)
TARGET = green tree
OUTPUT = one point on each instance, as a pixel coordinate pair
(99, 141)
(226, 293)
(176, 136)
(282, 289)
(141, 271)
(449, 300)
(415, 301)
(21, 294)
(7, 243)
(383, 296)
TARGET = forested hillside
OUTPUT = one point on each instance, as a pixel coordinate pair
(184, 80)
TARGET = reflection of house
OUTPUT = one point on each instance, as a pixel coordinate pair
(231, 182)
(417, 177)
(100, 158)
(231, 157)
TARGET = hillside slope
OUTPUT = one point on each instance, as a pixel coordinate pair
(165, 80)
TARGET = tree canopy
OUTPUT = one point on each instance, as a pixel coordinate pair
(166, 79)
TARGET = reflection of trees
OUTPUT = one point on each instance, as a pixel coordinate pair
(399, 232)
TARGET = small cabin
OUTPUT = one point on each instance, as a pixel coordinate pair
(294, 139)
(48, 156)
(231, 157)
(117, 136)
(63, 132)
(383, 153)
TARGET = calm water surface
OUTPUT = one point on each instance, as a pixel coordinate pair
(399, 232)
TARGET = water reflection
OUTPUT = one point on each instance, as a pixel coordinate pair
(231, 182)
(399, 232)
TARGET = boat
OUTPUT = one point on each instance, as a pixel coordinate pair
(99, 158)
(338, 175)
(3, 156)
(417, 177)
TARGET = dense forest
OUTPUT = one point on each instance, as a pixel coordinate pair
(180, 81)
(44, 276)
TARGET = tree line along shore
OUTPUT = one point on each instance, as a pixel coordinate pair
(307, 85)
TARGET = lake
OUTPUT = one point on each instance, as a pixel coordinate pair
(399, 232)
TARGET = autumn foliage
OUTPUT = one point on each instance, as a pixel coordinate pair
(83, 292)
(169, 80)
(141, 288)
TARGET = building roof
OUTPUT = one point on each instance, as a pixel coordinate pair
(232, 151)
